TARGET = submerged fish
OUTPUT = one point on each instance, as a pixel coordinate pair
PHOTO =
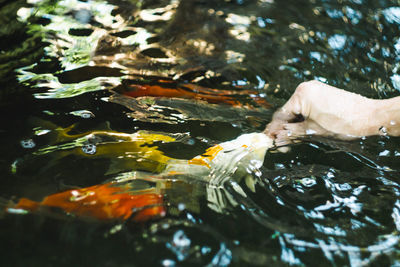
(103, 202)
(172, 89)
(121, 200)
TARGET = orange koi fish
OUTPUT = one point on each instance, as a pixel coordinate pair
(121, 201)
(103, 202)
(165, 88)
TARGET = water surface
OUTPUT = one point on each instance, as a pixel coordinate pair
(80, 78)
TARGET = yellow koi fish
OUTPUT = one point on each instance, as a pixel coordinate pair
(120, 200)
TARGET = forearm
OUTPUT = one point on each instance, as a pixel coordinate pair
(326, 110)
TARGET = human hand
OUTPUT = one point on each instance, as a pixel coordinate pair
(316, 108)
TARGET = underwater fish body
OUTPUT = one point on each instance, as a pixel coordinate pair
(120, 201)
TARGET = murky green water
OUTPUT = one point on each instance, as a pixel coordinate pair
(72, 76)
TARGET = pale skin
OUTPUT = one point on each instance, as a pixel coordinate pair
(316, 108)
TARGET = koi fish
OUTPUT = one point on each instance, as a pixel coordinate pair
(103, 202)
(172, 89)
(121, 201)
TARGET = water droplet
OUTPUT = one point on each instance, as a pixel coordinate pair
(89, 149)
(383, 131)
(392, 123)
(28, 143)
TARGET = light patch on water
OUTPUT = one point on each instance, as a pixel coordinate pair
(168, 263)
(334, 13)
(17, 211)
(180, 245)
(140, 38)
(316, 55)
(24, 13)
(354, 15)
(350, 202)
(384, 153)
(240, 26)
(28, 143)
(313, 214)
(60, 90)
(392, 14)
(239, 82)
(337, 41)
(181, 206)
(395, 78)
(115, 229)
(261, 22)
(325, 248)
(308, 181)
(235, 19)
(83, 16)
(205, 250)
(234, 57)
(223, 256)
(342, 187)
(397, 48)
(267, 1)
(396, 214)
(40, 132)
(85, 114)
(321, 79)
(89, 149)
(327, 206)
(14, 166)
(159, 14)
(287, 254)
(327, 230)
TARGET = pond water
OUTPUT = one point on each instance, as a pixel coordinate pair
(105, 104)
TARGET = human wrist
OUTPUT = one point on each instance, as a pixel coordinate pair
(386, 116)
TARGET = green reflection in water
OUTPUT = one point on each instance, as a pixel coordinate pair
(60, 90)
